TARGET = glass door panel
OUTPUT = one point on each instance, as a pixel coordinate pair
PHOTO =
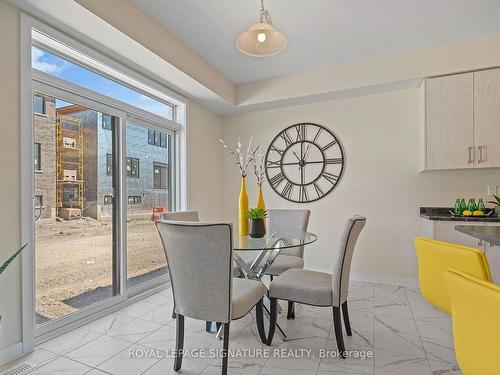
(75, 246)
(148, 196)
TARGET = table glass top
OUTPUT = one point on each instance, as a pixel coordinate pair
(274, 240)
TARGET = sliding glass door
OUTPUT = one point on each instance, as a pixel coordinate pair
(76, 252)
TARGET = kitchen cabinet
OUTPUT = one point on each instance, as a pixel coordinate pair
(445, 231)
(487, 118)
(449, 128)
(462, 121)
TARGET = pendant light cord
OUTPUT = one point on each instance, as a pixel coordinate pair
(265, 15)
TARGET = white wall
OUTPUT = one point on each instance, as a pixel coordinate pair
(205, 157)
(10, 218)
(380, 134)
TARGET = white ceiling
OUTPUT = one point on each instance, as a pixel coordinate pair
(321, 33)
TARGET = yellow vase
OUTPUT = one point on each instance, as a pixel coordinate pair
(243, 212)
(260, 199)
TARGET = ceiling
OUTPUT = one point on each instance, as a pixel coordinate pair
(321, 33)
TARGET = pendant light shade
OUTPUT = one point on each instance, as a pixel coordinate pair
(262, 39)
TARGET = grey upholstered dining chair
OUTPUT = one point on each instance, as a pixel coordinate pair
(319, 288)
(181, 216)
(283, 221)
(199, 258)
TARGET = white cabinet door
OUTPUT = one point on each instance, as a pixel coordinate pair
(450, 122)
(445, 231)
(487, 118)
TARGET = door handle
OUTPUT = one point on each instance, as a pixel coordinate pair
(470, 155)
(480, 148)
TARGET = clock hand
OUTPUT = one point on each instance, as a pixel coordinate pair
(307, 151)
(295, 154)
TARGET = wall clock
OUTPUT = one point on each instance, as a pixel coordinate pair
(304, 162)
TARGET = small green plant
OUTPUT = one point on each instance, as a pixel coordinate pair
(11, 259)
(496, 202)
(257, 213)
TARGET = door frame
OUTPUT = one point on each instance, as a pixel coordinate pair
(27, 74)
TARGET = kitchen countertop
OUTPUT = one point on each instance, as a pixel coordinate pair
(486, 233)
(443, 214)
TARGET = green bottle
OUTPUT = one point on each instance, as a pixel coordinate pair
(458, 207)
(480, 205)
(463, 206)
(472, 205)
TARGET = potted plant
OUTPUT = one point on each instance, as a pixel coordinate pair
(496, 203)
(11, 259)
(257, 226)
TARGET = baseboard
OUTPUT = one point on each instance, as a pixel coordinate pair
(11, 353)
(403, 281)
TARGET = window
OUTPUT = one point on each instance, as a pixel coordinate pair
(37, 157)
(70, 195)
(157, 138)
(106, 121)
(108, 199)
(57, 66)
(151, 137)
(160, 176)
(38, 104)
(133, 167)
(134, 199)
(109, 164)
(38, 201)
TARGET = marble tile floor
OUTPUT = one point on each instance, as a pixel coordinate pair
(395, 332)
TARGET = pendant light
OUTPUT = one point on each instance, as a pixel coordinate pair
(262, 39)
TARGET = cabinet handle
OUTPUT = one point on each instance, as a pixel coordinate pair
(470, 155)
(480, 154)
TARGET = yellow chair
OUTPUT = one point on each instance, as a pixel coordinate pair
(435, 258)
(476, 323)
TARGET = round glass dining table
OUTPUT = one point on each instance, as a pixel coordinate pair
(255, 255)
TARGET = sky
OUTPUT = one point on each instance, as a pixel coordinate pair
(57, 66)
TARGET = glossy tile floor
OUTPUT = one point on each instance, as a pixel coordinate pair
(395, 330)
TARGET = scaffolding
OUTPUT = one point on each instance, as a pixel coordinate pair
(69, 167)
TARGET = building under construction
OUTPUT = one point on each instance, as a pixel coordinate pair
(73, 164)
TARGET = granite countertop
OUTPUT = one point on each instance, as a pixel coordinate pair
(485, 233)
(443, 214)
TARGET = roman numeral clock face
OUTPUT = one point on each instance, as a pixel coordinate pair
(304, 162)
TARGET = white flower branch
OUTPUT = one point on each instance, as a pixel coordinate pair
(240, 161)
(258, 167)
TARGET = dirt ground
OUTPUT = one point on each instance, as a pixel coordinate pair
(74, 262)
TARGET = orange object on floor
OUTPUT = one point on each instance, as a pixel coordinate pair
(157, 211)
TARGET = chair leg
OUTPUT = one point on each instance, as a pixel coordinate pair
(225, 348)
(347, 323)
(259, 317)
(272, 320)
(291, 310)
(337, 323)
(179, 342)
